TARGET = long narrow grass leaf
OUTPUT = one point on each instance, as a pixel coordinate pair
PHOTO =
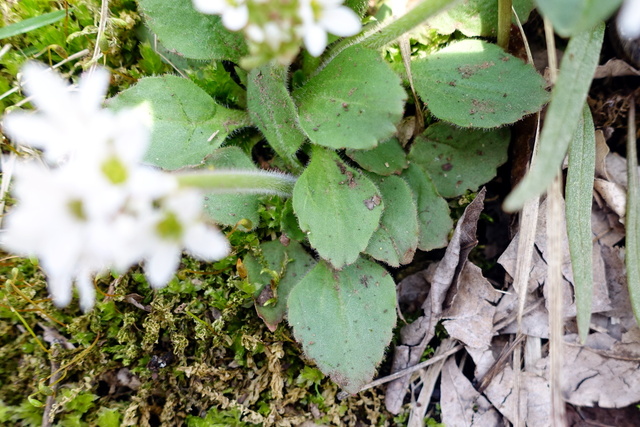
(564, 112)
(633, 216)
(31, 24)
(579, 194)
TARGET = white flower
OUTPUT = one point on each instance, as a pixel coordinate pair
(67, 121)
(179, 224)
(320, 17)
(52, 222)
(235, 13)
(99, 208)
(628, 21)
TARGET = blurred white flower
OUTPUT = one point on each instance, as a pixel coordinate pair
(320, 17)
(67, 120)
(178, 223)
(235, 13)
(98, 208)
(628, 21)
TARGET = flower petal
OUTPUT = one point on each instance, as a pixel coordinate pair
(92, 89)
(341, 21)
(162, 264)
(212, 7)
(60, 290)
(49, 91)
(235, 18)
(86, 292)
(315, 39)
(206, 243)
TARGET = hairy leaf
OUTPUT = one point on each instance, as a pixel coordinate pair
(457, 159)
(193, 34)
(337, 207)
(579, 195)
(434, 222)
(354, 102)
(273, 111)
(396, 240)
(386, 159)
(344, 319)
(187, 123)
(473, 83)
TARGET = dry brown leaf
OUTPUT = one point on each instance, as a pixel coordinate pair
(601, 373)
(614, 195)
(535, 403)
(615, 68)
(461, 404)
(602, 150)
(441, 276)
(470, 319)
(538, 275)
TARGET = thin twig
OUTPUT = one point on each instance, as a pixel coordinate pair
(412, 369)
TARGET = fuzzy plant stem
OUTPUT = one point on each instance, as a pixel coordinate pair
(504, 23)
(239, 181)
(414, 17)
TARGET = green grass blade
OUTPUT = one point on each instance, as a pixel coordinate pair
(579, 193)
(564, 112)
(632, 258)
(31, 24)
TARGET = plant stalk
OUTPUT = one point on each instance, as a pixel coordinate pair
(504, 23)
(239, 181)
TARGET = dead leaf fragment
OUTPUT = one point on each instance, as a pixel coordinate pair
(461, 404)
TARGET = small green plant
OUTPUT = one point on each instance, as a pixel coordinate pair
(365, 198)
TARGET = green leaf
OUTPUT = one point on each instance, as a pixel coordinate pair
(386, 159)
(632, 223)
(187, 123)
(337, 207)
(228, 209)
(396, 240)
(344, 319)
(272, 109)
(475, 18)
(195, 35)
(457, 159)
(473, 83)
(570, 17)
(434, 219)
(31, 24)
(354, 102)
(289, 223)
(561, 120)
(579, 195)
(291, 263)
(108, 417)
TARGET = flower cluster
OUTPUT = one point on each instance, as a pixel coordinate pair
(274, 29)
(92, 205)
